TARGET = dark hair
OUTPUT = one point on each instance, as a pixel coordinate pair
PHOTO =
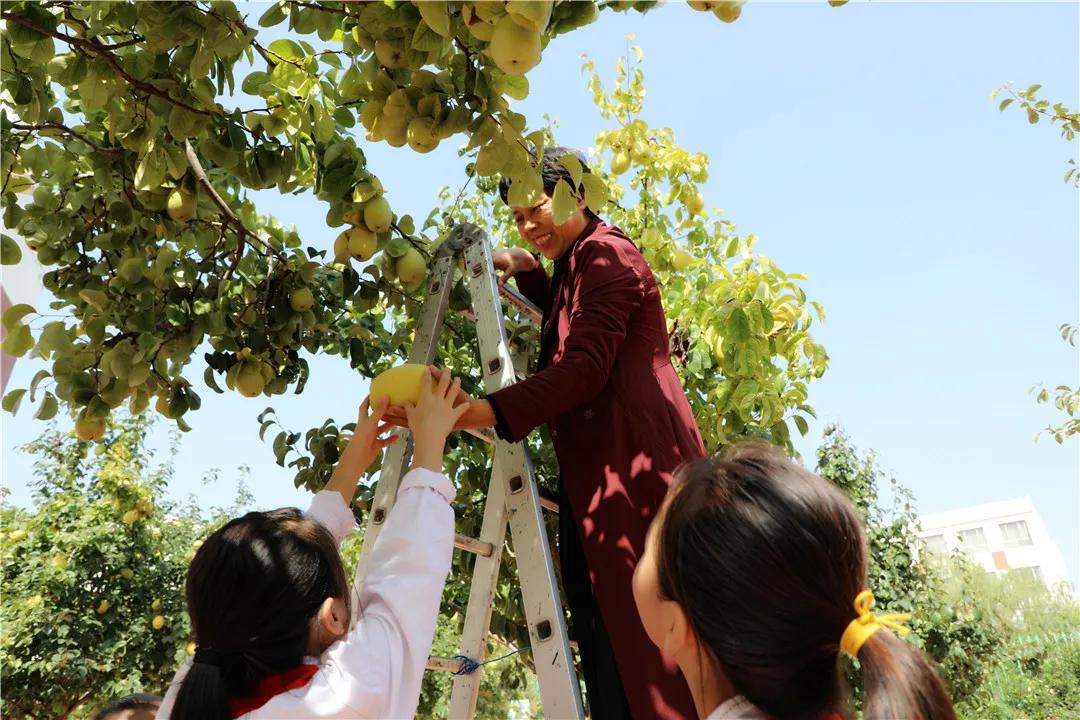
(252, 589)
(551, 172)
(766, 558)
(135, 701)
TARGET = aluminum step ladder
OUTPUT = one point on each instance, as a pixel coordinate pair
(512, 495)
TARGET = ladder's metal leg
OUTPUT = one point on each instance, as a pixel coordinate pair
(398, 455)
(554, 665)
(485, 580)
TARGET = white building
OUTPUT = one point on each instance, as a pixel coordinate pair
(1002, 537)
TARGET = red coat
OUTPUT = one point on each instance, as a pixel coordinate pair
(620, 423)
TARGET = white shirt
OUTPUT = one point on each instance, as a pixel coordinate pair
(375, 671)
(737, 708)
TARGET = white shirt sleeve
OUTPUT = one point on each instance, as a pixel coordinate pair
(329, 509)
(377, 669)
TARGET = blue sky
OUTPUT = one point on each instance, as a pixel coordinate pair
(861, 146)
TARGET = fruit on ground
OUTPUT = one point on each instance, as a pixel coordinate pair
(401, 384)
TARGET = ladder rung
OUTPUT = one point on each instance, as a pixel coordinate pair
(549, 504)
(436, 662)
(479, 547)
(519, 301)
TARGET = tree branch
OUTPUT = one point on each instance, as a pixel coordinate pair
(75, 133)
(230, 217)
(102, 51)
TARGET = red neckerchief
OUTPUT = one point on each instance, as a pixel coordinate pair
(270, 686)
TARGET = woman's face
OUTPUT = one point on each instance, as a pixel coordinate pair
(537, 227)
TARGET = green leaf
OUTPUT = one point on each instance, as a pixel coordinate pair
(18, 341)
(516, 86)
(596, 191)
(96, 298)
(397, 247)
(563, 203)
(15, 313)
(738, 326)
(1004, 104)
(1033, 115)
(10, 252)
(38, 377)
(800, 422)
(286, 48)
(13, 399)
(492, 158)
(526, 191)
(254, 82)
(151, 170)
(48, 408)
(573, 166)
(272, 16)
(264, 427)
(208, 378)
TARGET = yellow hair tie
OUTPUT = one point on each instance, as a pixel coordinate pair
(866, 624)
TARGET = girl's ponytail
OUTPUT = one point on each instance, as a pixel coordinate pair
(203, 695)
(899, 682)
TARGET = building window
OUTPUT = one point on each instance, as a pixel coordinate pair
(1033, 572)
(935, 544)
(1015, 534)
(972, 539)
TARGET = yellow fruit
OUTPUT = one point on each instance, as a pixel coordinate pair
(681, 260)
(728, 11)
(191, 648)
(421, 135)
(181, 205)
(17, 535)
(33, 601)
(620, 163)
(250, 381)
(701, 6)
(158, 622)
(651, 236)
(156, 605)
(531, 14)
(515, 49)
(411, 269)
(103, 607)
(402, 384)
(391, 54)
(377, 215)
(301, 300)
(480, 28)
(90, 429)
(131, 517)
(695, 202)
(360, 243)
(60, 562)
(144, 506)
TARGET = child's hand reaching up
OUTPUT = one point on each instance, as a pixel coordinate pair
(368, 440)
(432, 419)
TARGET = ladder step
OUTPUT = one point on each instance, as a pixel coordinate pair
(446, 664)
(479, 547)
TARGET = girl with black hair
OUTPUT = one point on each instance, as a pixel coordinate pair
(754, 579)
(270, 604)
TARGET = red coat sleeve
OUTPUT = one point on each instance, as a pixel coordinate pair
(534, 285)
(606, 291)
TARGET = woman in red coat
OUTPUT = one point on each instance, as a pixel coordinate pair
(620, 424)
